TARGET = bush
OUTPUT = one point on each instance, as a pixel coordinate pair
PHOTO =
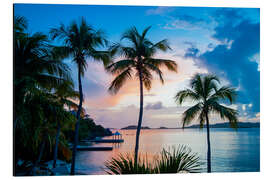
(173, 160)
(125, 164)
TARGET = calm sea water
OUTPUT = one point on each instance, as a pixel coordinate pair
(232, 151)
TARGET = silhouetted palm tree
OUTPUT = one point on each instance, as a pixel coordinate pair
(207, 92)
(35, 75)
(64, 95)
(80, 41)
(138, 60)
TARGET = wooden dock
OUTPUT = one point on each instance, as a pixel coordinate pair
(91, 148)
(107, 141)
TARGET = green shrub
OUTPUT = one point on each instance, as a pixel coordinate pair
(173, 160)
(125, 164)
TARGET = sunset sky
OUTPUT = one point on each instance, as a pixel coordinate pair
(223, 41)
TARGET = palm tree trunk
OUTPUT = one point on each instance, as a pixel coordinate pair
(42, 147)
(76, 133)
(208, 145)
(140, 118)
(56, 145)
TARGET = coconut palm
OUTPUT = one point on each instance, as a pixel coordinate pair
(34, 67)
(64, 95)
(138, 61)
(35, 75)
(208, 94)
(80, 41)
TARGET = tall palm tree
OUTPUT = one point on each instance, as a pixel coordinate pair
(64, 95)
(80, 41)
(35, 74)
(138, 61)
(208, 94)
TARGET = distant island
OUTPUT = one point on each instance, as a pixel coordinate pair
(218, 125)
(135, 127)
(227, 125)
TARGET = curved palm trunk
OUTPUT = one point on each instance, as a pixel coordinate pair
(208, 145)
(56, 144)
(76, 133)
(140, 118)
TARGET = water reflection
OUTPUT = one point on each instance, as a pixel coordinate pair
(232, 151)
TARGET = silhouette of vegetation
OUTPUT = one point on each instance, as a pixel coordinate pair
(173, 160)
(44, 99)
(138, 62)
(207, 93)
(80, 41)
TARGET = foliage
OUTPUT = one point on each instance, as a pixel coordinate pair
(208, 94)
(138, 60)
(125, 164)
(40, 80)
(175, 160)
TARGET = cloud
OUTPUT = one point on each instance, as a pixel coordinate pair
(192, 51)
(187, 21)
(159, 10)
(239, 41)
(155, 106)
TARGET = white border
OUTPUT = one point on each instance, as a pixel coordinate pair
(6, 83)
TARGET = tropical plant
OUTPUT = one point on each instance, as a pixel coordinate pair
(80, 41)
(175, 160)
(126, 164)
(34, 68)
(206, 91)
(64, 94)
(36, 75)
(138, 61)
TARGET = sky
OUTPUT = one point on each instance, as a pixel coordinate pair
(221, 41)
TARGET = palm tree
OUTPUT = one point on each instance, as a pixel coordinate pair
(64, 94)
(206, 91)
(35, 74)
(80, 41)
(138, 60)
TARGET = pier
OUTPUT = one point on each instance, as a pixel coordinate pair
(91, 148)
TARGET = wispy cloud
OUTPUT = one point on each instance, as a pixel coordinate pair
(157, 105)
(159, 10)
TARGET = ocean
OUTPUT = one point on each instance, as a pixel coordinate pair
(232, 150)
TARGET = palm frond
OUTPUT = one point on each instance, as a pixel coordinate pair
(191, 113)
(20, 24)
(225, 92)
(120, 66)
(156, 70)
(119, 81)
(196, 84)
(146, 78)
(178, 160)
(162, 45)
(169, 64)
(125, 164)
(132, 35)
(209, 84)
(181, 96)
(145, 32)
(225, 113)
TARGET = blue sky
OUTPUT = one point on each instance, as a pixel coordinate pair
(224, 41)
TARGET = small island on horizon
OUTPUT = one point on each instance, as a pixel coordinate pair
(217, 125)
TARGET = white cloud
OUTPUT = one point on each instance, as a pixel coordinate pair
(159, 10)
